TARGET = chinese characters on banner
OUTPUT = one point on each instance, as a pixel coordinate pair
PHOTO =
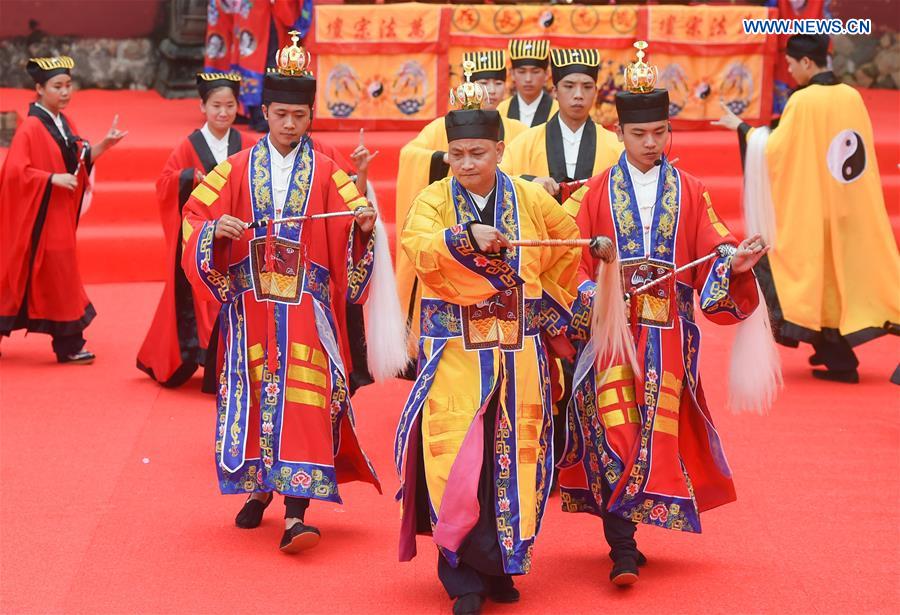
(390, 66)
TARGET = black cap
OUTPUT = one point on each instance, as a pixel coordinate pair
(42, 70)
(636, 108)
(293, 90)
(812, 46)
(207, 82)
(473, 124)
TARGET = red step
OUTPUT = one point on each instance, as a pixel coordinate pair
(122, 253)
(122, 202)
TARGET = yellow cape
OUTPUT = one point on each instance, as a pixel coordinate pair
(527, 154)
(503, 108)
(835, 263)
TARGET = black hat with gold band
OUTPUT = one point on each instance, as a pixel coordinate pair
(529, 53)
(290, 82)
(639, 101)
(207, 82)
(489, 64)
(44, 69)
(564, 62)
(470, 121)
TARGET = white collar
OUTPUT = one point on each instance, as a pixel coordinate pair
(650, 177)
(210, 137)
(56, 117)
(532, 106)
(567, 134)
(277, 158)
(481, 201)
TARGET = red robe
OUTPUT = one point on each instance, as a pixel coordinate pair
(651, 437)
(285, 421)
(40, 285)
(179, 335)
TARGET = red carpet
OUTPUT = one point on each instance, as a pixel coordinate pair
(120, 239)
(110, 503)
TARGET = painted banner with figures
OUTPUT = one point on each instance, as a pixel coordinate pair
(390, 66)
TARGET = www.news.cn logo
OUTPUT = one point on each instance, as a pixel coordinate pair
(807, 26)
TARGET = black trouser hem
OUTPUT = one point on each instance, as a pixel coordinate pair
(295, 508)
(619, 532)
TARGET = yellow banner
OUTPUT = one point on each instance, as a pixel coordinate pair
(697, 84)
(392, 64)
(367, 87)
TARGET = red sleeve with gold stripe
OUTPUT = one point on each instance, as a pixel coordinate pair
(725, 297)
(351, 267)
(203, 258)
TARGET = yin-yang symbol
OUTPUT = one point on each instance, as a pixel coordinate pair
(846, 157)
(546, 19)
(376, 89)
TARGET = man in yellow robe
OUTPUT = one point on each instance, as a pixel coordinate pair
(832, 275)
(424, 161)
(474, 445)
(531, 104)
(570, 146)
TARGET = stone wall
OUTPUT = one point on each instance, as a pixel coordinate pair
(99, 62)
(868, 61)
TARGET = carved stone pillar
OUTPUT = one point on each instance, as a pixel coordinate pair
(182, 51)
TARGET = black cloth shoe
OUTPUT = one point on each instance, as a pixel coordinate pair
(468, 604)
(82, 357)
(847, 376)
(624, 572)
(250, 516)
(815, 359)
(502, 589)
(299, 537)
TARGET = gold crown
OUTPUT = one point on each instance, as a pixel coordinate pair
(468, 95)
(640, 77)
(53, 63)
(293, 60)
(217, 76)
